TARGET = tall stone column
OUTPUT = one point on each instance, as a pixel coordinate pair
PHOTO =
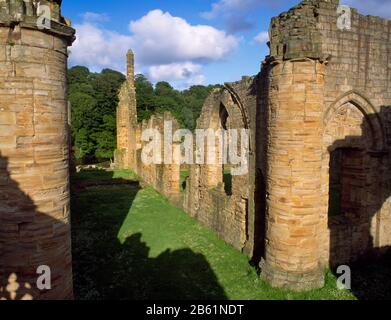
(294, 156)
(293, 104)
(34, 153)
(125, 155)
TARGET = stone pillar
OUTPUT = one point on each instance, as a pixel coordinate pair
(125, 155)
(294, 154)
(34, 156)
(130, 67)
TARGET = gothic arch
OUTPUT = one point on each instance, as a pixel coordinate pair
(353, 136)
(222, 97)
(364, 105)
(237, 100)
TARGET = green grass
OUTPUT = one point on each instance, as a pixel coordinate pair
(104, 175)
(130, 243)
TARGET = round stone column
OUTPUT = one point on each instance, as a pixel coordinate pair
(34, 153)
(294, 153)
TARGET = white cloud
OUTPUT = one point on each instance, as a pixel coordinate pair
(380, 8)
(188, 72)
(160, 38)
(97, 48)
(262, 37)
(166, 47)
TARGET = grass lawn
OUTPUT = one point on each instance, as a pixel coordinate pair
(130, 243)
(104, 175)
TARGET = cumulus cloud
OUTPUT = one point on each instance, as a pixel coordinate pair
(166, 47)
(262, 37)
(99, 48)
(188, 72)
(160, 38)
(374, 7)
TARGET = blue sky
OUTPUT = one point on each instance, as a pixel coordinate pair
(182, 42)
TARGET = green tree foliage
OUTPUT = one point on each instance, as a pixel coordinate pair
(94, 99)
(106, 137)
(185, 105)
(145, 97)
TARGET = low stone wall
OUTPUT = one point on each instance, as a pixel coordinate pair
(163, 178)
(223, 202)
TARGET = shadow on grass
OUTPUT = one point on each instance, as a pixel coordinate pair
(105, 268)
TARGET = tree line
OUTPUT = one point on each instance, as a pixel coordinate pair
(94, 100)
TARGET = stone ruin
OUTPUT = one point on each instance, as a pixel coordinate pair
(317, 193)
(34, 151)
(164, 178)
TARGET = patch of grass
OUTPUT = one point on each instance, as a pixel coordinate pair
(130, 243)
(104, 175)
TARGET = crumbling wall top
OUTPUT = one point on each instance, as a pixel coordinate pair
(295, 34)
(33, 14)
(301, 32)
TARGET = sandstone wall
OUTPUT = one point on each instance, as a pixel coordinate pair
(317, 193)
(165, 178)
(231, 214)
(326, 91)
(127, 120)
(358, 80)
(34, 152)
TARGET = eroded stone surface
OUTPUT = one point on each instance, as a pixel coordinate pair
(34, 152)
(317, 193)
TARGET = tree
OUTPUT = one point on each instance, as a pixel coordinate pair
(94, 99)
(106, 85)
(78, 75)
(106, 141)
(145, 97)
(82, 112)
(83, 143)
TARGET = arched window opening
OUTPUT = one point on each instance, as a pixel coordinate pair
(226, 168)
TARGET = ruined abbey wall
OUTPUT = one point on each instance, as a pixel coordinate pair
(224, 202)
(34, 152)
(317, 193)
(127, 119)
(358, 82)
(325, 106)
(164, 178)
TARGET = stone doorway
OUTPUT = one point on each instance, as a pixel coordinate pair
(349, 220)
(347, 182)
